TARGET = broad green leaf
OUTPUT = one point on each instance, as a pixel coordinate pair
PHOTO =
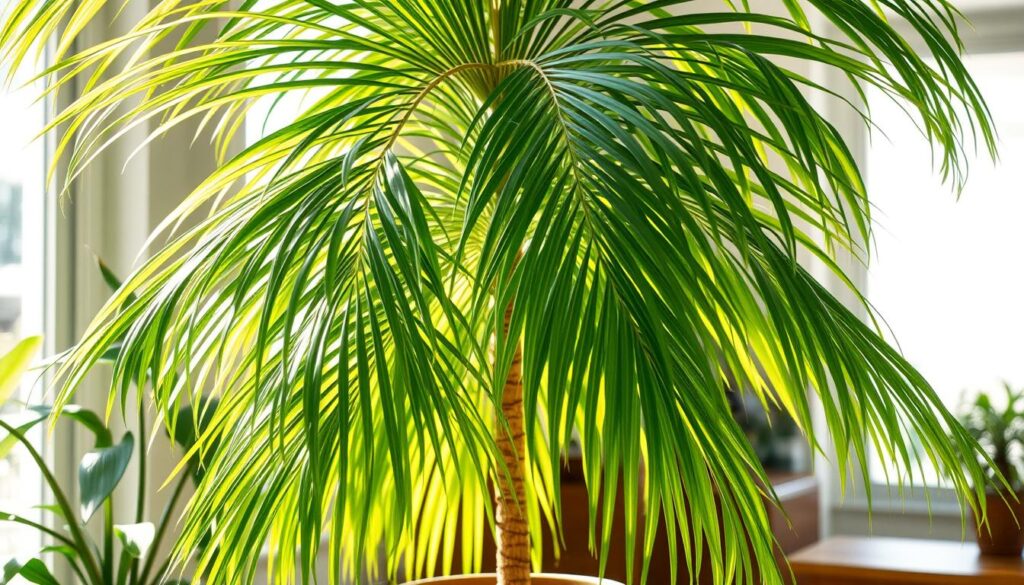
(64, 550)
(25, 420)
(32, 570)
(14, 363)
(135, 538)
(99, 473)
(83, 416)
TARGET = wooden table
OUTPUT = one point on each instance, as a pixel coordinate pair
(892, 561)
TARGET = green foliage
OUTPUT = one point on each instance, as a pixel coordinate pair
(32, 570)
(100, 472)
(1000, 430)
(14, 364)
(638, 176)
(185, 433)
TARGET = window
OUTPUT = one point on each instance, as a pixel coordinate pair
(946, 274)
(22, 257)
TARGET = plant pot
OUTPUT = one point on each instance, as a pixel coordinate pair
(1004, 534)
(491, 579)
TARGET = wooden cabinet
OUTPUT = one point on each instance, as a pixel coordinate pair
(903, 561)
(798, 493)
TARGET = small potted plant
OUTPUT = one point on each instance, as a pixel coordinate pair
(1000, 430)
(127, 553)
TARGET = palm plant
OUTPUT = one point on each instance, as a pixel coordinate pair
(493, 228)
(1000, 431)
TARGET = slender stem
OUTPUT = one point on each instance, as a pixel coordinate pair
(161, 527)
(512, 529)
(58, 537)
(140, 498)
(77, 570)
(44, 529)
(122, 571)
(81, 544)
(140, 501)
(108, 541)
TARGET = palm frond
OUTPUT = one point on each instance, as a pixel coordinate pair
(637, 176)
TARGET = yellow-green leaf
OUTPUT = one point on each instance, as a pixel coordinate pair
(14, 364)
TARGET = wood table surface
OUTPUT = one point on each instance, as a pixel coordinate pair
(890, 561)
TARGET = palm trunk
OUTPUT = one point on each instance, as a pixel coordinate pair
(512, 531)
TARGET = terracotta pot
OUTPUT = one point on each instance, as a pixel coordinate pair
(1004, 534)
(490, 579)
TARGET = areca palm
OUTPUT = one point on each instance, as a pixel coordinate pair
(496, 227)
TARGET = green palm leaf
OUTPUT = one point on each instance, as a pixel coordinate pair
(638, 177)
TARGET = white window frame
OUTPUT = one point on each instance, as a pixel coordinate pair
(31, 236)
(992, 29)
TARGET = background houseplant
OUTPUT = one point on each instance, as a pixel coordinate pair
(494, 225)
(1000, 430)
(127, 554)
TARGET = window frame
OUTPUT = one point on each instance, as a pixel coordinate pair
(42, 320)
(845, 508)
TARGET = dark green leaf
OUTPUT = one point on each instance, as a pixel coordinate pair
(32, 570)
(83, 416)
(111, 279)
(100, 472)
(187, 429)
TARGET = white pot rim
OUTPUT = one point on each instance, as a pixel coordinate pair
(550, 577)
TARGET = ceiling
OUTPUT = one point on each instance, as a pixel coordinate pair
(981, 4)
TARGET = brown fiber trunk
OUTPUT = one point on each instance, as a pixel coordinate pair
(512, 534)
